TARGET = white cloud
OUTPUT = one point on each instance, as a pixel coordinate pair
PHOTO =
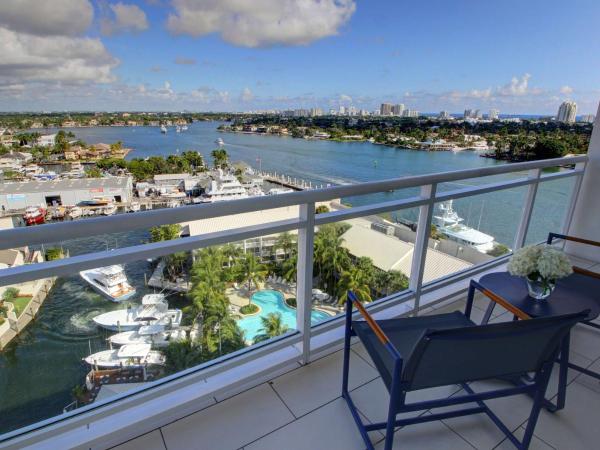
(47, 18)
(344, 98)
(127, 18)
(30, 58)
(566, 90)
(247, 95)
(516, 87)
(261, 23)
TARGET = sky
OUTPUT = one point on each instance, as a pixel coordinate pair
(521, 57)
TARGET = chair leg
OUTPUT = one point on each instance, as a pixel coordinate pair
(538, 402)
(396, 395)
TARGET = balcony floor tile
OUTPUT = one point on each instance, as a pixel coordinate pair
(319, 382)
(231, 423)
(536, 442)
(149, 441)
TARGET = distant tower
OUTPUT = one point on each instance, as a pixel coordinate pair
(386, 109)
(398, 110)
(468, 113)
(567, 112)
(444, 115)
(494, 114)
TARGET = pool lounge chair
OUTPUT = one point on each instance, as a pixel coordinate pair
(422, 352)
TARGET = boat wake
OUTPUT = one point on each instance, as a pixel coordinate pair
(82, 323)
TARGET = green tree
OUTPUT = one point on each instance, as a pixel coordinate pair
(353, 280)
(54, 253)
(285, 242)
(272, 326)
(220, 158)
(9, 294)
(93, 172)
(251, 270)
(322, 209)
(165, 232)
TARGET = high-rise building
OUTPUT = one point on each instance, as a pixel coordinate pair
(468, 113)
(398, 110)
(352, 111)
(315, 112)
(342, 110)
(444, 115)
(478, 114)
(386, 109)
(588, 118)
(410, 113)
(567, 112)
(494, 114)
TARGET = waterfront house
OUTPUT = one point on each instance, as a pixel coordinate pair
(47, 140)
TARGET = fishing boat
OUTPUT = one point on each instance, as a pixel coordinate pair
(154, 310)
(110, 282)
(128, 356)
(34, 215)
(449, 224)
(157, 335)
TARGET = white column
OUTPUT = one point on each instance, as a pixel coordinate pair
(586, 218)
(304, 277)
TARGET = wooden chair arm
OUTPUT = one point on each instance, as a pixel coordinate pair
(565, 237)
(586, 272)
(500, 301)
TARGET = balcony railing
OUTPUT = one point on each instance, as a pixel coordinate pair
(300, 346)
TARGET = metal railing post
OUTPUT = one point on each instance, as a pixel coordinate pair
(421, 241)
(306, 239)
(573, 199)
(521, 235)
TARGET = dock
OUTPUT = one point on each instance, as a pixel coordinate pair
(297, 184)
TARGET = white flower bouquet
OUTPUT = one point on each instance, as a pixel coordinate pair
(541, 265)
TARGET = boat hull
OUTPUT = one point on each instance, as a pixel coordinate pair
(103, 293)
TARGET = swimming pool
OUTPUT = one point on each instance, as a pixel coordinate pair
(272, 302)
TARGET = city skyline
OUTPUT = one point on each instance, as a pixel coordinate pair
(224, 56)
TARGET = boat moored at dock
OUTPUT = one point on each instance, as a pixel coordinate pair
(110, 282)
(128, 356)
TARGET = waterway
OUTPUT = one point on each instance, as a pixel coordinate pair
(40, 368)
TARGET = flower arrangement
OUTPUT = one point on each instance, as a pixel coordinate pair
(541, 265)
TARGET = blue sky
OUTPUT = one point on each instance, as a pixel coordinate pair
(230, 55)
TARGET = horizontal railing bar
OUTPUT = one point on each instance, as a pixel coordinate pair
(69, 230)
(68, 266)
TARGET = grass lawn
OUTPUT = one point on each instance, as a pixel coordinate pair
(20, 304)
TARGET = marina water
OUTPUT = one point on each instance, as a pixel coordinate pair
(40, 368)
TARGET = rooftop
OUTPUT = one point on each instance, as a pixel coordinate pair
(71, 184)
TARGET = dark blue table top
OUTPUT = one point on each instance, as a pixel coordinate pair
(573, 294)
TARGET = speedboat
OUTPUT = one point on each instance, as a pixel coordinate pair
(178, 129)
(109, 209)
(134, 207)
(109, 281)
(154, 310)
(128, 356)
(219, 142)
(34, 215)
(277, 191)
(163, 129)
(184, 128)
(157, 335)
(74, 212)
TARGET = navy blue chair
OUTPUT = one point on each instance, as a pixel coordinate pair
(421, 352)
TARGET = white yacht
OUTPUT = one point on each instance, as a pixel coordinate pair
(157, 335)
(225, 187)
(154, 310)
(163, 129)
(109, 210)
(449, 223)
(128, 356)
(184, 128)
(178, 129)
(134, 207)
(109, 281)
(219, 142)
(277, 191)
(75, 212)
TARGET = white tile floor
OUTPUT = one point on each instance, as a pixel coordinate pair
(302, 409)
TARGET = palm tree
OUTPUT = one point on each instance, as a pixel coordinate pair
(353, 280)
(251, 270)
(289, 268)
(220, 158)
(286, 242)
(272, 326)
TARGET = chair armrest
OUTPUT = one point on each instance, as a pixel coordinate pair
(565, 237)
(586, 272)
(500, 301)
(381, 336)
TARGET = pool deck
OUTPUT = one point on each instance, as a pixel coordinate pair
(239, 297)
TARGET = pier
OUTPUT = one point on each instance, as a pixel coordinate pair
(297, 184)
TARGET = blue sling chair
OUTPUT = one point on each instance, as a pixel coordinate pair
(421, 352)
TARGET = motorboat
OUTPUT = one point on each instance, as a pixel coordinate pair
(184, 128)
(277, 191)
(157, 335)
(74, 212)
(110, 282)
(154, 310)
(163, 129)
(97, 201)
(219, 142)
(449, 224)
(34, 215)
(109, 209)
(128, 356)
(134, 207)
(178, 129)
(225, 187)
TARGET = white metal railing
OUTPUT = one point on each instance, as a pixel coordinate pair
(305, 224)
